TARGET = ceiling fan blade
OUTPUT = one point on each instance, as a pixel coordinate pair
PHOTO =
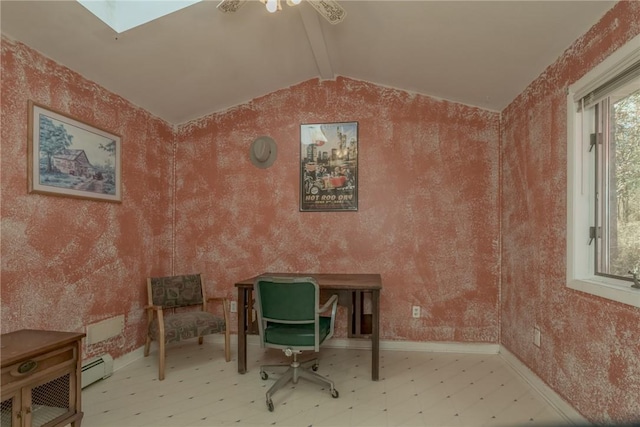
(230, 5)
(330, 9)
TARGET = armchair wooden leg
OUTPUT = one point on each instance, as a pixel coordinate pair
(147, 346)
(161, 360)
(227, 345)
(200, 340)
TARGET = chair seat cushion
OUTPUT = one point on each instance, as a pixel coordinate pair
(296, 335)
(182, 326)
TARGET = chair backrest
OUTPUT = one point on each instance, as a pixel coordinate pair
(287, 300)
(176, 291)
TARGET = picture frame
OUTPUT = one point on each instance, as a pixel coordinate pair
(71, 158)
(329, 167)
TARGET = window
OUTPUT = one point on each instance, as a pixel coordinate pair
(615, 144)
(603, 204)
(124, 15)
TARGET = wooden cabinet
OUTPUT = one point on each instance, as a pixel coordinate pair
(40, 378)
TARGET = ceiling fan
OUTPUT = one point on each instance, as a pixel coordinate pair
(330, 9)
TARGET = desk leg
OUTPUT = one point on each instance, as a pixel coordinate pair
(375, 335)
(242, 330)
(358, 309)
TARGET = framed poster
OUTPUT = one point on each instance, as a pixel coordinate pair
(329, 167)
(67, 157)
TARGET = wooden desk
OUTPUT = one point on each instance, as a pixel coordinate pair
(341, 284)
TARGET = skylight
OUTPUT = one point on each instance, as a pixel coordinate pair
(122, 15)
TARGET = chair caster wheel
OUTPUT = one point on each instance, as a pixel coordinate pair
(264, 375)
(270, 405)
(334, 393)
(314, 368)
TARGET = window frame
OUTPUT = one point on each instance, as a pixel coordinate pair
(580, 255)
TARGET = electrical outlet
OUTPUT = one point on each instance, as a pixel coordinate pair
(415, 311)
(536, 336)
(233, 306)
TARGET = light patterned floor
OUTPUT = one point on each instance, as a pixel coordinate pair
(415, 389)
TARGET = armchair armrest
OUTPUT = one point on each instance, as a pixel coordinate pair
(158, 309)
(223, 300)
(225, 307)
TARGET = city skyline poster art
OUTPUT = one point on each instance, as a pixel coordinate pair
(329, 167)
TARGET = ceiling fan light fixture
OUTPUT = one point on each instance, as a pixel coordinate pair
(329, 9)
(272, 5)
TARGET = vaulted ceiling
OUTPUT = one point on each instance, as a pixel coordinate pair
(199, 60)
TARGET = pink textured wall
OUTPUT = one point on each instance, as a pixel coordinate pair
(427, 219)
(67, 262)
(590, 352)
(427, 222)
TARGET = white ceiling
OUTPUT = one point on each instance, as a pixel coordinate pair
(199, 60)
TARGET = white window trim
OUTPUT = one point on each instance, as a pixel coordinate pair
(579, 254)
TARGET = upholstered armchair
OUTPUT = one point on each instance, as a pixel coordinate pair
(177, 311)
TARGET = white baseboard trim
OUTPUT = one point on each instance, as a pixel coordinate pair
(365, 344)
(441, 347)
(128, 358)
(569, 413)
(346, 343)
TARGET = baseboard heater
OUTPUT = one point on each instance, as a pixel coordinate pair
(96, 369)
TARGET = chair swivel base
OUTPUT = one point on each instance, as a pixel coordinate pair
(295, 371)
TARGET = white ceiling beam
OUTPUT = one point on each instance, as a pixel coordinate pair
(312, 26)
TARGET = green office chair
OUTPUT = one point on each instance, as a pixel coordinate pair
(289, 319)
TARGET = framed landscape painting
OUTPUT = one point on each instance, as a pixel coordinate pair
(329, 167)
(67, 157)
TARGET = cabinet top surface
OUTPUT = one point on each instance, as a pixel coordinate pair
(27, 343)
